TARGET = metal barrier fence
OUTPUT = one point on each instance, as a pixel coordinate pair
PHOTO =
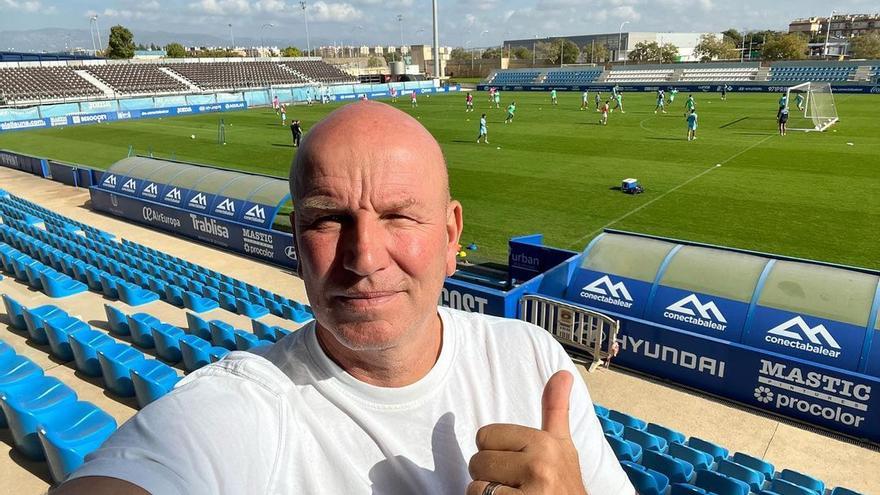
(587, 334)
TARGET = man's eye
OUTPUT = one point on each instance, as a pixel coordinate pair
(330, 219)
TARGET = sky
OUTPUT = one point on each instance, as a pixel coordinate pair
(475, 23)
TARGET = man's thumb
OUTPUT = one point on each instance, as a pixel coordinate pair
(554, 404)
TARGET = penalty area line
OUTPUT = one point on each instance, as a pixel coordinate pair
(649, 203)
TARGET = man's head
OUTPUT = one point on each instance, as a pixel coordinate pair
(375, 229)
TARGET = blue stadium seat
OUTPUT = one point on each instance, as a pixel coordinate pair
(167, 339)
(645, 439)
(803, 480)
(194, 351)
(174, 295)
(745, 474)
(141, 326)
(264, 331)
(152, 380)
(245, 340)
(58, 331)
(624, 450)
(698, 458)
(759, 465)
(116, 362)
(676, 470)
(646, 481)
(668, 434)
(25, 412)
(118, 321)
(197, 303)
(844, 491)
(626, 419)
(93, 279)
(58, 285)
(35, 320)
(134, 295)
(222, 334)
(716, 451)
(781, 487)
(216, 353)
(610, 427)
(84, 345)
(198, 326)
(720, 484)
(600, 411)
(108, 285)
(687, 489)
(250, 309)
(15, 313)
(68, 437)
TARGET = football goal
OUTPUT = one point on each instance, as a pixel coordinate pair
(811, 107)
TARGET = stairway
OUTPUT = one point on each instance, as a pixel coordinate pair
(181, 79)
(676, 75)
(863, 73)
(108, 91)
(298, 73)
(763, 74)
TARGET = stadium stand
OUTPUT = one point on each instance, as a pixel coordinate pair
(810, 73)
(136, 79)
(638, 75)
(572, 76)
(30, 84)
(733, 74)
(320, 72)
(514, 77)
(231, 75)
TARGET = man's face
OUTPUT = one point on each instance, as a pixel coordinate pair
(376, 237)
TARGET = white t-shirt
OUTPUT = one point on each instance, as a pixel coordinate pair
(292, 421)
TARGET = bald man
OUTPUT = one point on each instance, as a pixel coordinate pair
(384, 392)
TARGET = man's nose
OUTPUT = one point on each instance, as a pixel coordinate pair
(365, 247)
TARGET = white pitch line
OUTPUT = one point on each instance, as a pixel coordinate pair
(635, 210)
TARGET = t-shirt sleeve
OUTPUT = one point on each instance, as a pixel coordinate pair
(600, 469)
(188, 442)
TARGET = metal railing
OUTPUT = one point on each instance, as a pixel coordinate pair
(586, 334)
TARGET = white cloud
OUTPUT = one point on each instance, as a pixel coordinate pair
(221, 7)
(28, 6)
(333, 12)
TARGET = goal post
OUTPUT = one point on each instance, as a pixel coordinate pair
(811, 106)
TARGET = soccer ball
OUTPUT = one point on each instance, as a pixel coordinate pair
(192, 136)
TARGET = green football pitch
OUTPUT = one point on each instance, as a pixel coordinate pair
(555, 170)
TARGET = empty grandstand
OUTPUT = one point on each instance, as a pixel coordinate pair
(23, 84)
(636, 75)
(320, 72)
(137, 79)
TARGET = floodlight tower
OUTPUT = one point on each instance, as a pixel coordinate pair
(436, 41)
(302, 5)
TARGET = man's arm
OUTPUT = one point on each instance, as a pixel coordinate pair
(98, 485)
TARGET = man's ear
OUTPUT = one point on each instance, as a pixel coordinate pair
(295, 244)
(454, 226)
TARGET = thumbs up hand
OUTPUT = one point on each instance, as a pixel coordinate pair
(515, 459)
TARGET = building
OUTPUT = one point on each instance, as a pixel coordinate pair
(423, 56)
(620, 44)
(842, 25)
(149, 54)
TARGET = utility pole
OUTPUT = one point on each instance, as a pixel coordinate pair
(827, 33)
(436, 41)
(302, 5)
(231, 37)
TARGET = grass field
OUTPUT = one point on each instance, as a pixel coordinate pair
(553, 170)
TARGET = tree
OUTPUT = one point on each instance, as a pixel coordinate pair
(866, 46)
(291, 51)
(594, 53)
(491, 53)
(375, 61)
(551, 51)
(790, 46)
(175, 50)
(711, 47)
(733, 35)
(459, 54)
(648, 52)
(522, 53)
(121, 43)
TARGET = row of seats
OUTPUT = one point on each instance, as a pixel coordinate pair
(720, 75)
(821, 74)
(45, 418)
(525, 77)
(572, 76)
(22, 84)
(660, 461)
(639, 75)
(133, 272)
(137, 79)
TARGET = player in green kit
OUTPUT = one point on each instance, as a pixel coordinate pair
(618, 102)
(553, 100)
(598, 100)
(692, 125)
(690, 105)
(585, 100)
(497, 99)
(511, 109)
(672, 94)
(799, 101)
(484, 132)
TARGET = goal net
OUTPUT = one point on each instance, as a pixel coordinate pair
(810, 107)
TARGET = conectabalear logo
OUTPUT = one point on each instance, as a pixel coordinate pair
(793, 332)
(606, 291)
(692, 310)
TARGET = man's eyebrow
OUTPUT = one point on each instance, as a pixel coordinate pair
(317, 203)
